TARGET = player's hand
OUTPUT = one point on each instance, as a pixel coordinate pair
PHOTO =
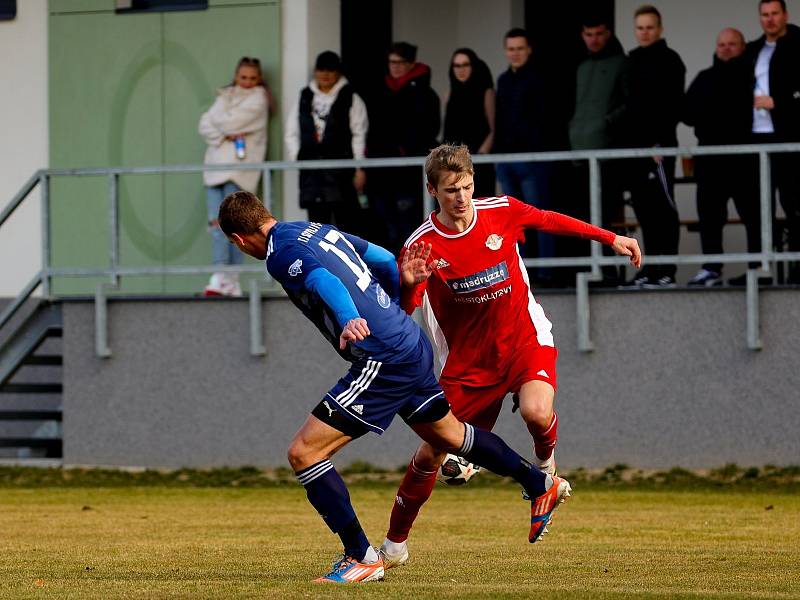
(416, 266)
(354, 331)
(626, 246)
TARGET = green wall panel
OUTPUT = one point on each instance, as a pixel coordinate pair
(128, 90)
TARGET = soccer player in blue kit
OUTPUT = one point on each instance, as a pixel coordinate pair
(350, 290)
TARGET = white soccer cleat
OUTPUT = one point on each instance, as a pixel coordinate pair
(394, 554)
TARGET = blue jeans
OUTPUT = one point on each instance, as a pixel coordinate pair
(530, 183)
(222, 251)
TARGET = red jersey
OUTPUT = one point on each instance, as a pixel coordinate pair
(478, 303)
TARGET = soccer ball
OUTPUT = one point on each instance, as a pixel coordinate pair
(456, 470)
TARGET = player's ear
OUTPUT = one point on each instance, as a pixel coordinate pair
(237, 239)
(431, 189)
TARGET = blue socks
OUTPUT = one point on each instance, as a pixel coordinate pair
(328, 494)
(486, 449)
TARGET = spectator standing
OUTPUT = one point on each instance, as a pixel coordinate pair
(524, 123)
(656, 83)
(601, 89)
(234, 130)
(719, 107)
(329, 122)
(469, 112)
(404, 121)
(775, 57)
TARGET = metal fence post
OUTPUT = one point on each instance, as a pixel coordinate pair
(101, 348)
(765, 173)
(44, 183)
(266, 183)
(582, 306)
(595, 208)
(113, 223)
(753, 336)
(257, 347)
(428, 204)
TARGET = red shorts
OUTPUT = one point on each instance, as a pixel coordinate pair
(480, 405)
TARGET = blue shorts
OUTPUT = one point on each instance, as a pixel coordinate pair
(372, 392)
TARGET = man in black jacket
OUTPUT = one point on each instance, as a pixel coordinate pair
(775, 78)
(526, 121)
(719, 107)
(656, 76)
(404, 120)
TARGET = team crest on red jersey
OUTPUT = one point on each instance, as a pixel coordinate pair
(494, 241)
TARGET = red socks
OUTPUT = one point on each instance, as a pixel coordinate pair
(414, 491)
(544, 441)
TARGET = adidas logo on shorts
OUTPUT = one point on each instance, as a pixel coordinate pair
(359, 408)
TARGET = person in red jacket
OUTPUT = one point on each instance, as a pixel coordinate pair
(463, 266)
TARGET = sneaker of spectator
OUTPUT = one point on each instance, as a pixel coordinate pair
(637, 283)
(667, 281)
(706, 278)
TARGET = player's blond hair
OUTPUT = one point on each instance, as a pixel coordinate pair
(242, 212)
(454, 158)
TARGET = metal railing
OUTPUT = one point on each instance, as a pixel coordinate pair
(594, 261)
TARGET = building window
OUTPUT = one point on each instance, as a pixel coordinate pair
(8, 10)
(140, 6)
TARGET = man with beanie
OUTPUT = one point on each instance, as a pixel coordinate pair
(404, 121)
(329, 122)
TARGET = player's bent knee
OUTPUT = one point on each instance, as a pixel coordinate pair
(428, 458)
(298, 455)
(538, 413)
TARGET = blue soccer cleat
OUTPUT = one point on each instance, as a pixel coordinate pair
(347, 569)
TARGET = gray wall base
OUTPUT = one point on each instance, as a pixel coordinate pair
(671, 382)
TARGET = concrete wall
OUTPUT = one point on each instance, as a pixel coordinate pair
(23, 122)
(671, 383)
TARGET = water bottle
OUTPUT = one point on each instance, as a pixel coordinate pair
(239, 146)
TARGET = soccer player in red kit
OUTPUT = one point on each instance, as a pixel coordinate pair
(462, 266)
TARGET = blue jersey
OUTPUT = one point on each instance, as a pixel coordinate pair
(333, 277)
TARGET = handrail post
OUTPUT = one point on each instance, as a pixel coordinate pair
(44, 183)
(266, 183)
(427, 201)
(765, 178)
(101, 348)
(753, 327)
(257, 347)
(113, 222)
(595, 210)
(582, 306)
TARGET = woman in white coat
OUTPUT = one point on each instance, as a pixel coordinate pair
(235, 130)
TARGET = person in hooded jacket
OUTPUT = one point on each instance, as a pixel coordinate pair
(469, 113)
(329, 122)
(719, 107)
(404, 121)
(601, 91)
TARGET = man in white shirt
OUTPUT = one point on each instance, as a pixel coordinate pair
(776, 108)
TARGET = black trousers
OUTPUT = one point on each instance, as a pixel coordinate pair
(786, 181)
(719, 179)
(653, 203)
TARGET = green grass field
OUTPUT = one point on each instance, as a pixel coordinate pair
(157, 541)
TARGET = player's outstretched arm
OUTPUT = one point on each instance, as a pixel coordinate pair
(354, 330)
(416, 265)
(626, 246)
